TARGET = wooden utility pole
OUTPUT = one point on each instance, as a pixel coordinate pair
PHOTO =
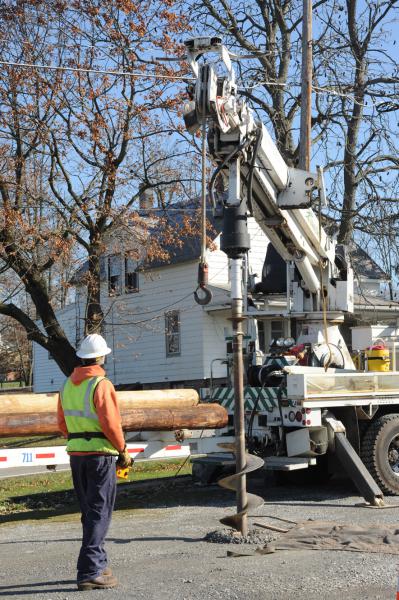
(306, 88)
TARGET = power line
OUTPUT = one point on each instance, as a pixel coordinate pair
(75, 46)
(158, 312)
(321, 90)
(112, 45)
(99, 71)
(248, 88)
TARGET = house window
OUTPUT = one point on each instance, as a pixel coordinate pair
(131, 276)
(114, 275)
(172, 333)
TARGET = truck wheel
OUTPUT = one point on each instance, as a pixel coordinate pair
(380, 452)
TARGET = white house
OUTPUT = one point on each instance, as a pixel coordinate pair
(160, 337)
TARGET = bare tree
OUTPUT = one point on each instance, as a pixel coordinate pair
(355, 84)
(364, 80)
(82, 124)
(25, 118)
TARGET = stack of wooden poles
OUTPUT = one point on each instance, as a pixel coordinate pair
(149, 410)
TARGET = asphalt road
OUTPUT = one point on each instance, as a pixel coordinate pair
(157, 550)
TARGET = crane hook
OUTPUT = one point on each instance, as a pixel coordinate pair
(206, 294)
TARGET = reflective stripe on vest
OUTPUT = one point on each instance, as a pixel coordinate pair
(86, 412)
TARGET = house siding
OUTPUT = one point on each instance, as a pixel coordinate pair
(134, 324)
(135, 329)
(218, 265)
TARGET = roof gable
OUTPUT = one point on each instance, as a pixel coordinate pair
(164, 229)
(364, 266)
(188, 246)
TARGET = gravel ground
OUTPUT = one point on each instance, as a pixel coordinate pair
(255, 537)
(157, 550)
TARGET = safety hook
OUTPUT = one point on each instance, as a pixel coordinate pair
(202, 283)
(206, 298)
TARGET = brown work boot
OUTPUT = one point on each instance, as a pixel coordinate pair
(100, 582)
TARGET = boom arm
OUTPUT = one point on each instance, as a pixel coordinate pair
(279, 197)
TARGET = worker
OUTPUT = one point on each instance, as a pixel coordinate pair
(88, 415)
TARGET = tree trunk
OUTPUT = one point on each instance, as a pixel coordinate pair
(42, 403)
(351, 180)
(53, 338)
(94, 314)
(64, 354)
(57, 343)
(203, 416)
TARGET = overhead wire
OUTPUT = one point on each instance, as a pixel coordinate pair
(320, 89)
(157, 310)
(99, 71)
(247, 88)
(150, 75)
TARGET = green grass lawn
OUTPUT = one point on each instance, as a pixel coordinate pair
(6, 385)
(32, 442)
(52, 493)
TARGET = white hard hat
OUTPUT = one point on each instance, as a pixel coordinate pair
(93, 346)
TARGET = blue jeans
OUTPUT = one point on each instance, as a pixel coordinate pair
(94, 480)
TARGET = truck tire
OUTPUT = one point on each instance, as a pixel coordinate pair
(380, 452)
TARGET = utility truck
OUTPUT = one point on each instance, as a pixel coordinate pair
(306, 401)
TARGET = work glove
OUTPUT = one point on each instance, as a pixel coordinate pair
(124, 461)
